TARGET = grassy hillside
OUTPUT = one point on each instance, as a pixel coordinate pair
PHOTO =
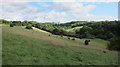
(0, 44)
(33, 47)
(74, 29)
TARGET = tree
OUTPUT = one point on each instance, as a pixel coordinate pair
(6, 22)
(110, 35)
(56, 31)
(24, 23)
(84, 32)
(29, 26)
(17, 23)
(114, 44)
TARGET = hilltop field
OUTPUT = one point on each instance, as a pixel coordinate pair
(21, 46)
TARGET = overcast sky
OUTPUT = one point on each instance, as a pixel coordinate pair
(59, 10)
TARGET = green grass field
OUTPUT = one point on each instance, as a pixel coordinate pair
(74, 29)
(0, 45)
(32, 47)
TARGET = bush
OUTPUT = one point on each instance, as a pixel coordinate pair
(87, 42)
(73, 39)
(68, 37)
(11, 25)
(114, 44)
(29, 26)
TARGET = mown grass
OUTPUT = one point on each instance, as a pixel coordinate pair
(30, 47)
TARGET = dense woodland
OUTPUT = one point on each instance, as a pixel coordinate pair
(107, 30)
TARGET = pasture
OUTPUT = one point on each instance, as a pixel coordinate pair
(32, 47)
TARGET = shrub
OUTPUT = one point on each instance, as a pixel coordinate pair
(61, 35)
(68, 37)
(87, 42)
(104, 51)
(29, 26)
(11, 25)
(73, 39)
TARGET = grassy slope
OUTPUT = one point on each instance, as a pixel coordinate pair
(74, 29)
(30, 47)
(0, 44)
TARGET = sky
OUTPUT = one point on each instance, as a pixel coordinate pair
(59, 10)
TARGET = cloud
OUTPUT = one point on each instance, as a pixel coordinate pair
(99, 1)
(73, 7)
(23, 11)
(60, 1)
(58, 11)
(91, 17)
(16, 10)
(51, 16)
(64, 0)
(79, 11)
(85, 0)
